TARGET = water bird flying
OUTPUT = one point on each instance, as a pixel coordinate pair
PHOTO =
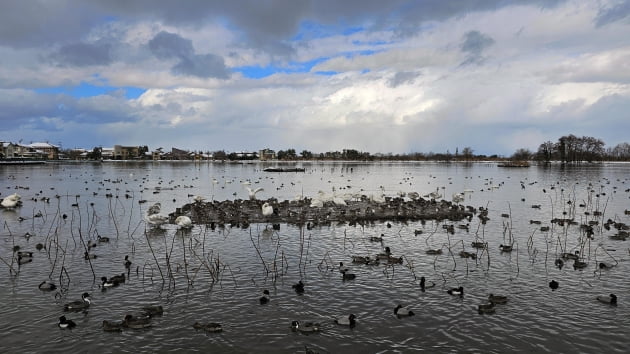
(401, 311)
(347, 320)
(65, 323)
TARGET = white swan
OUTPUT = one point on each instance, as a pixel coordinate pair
(184, 222)
(252, 192)
(11, 201)
(267, 210)
(157, 219)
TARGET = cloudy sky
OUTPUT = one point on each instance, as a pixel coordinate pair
(379, 76)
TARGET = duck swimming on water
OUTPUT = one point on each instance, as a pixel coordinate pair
(78, 305)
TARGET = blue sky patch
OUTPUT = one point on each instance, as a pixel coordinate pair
(88, 90)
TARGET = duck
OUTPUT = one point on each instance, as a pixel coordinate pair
(434, 251)
(579, 264)
(342, 268)
(65, 323)
(91, 244)
(401, 311)
(136, 322)
(78, 305)
(127, 262)
(101, 239)
(299, 287)
(184, 222)
(307, 327)
(110, 326)
(208, 327)
(153, 310)
(347, 276)
(118, 278)
(265, 298)
(608, 299)
(573, 256)
(486, 308)
(497, 299)
(505, 248)
(559, 263)
(87, 255)
(385, 255)
(47, 286)
(109, 283)
(423, 285)
(553, 285)
(347, 320)
(23, 259)
(377, 238)
(456, 291)
(605, 266)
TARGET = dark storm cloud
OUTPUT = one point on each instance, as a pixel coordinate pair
(264, 25)
(167, 45)
(612, 14)
(473, 45)
(403, 77)
(83, 54)
(203, 66)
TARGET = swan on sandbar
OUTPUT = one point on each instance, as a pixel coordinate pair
(267, 209)
(252, 192)
(184, 222)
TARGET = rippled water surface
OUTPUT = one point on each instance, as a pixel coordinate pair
(217, 275)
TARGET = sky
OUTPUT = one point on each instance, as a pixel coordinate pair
(396, 76)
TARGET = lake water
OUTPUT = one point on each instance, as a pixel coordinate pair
(218, 275)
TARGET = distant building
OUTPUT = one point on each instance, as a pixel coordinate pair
(266, 154)
(107, 153)
(7, 150)
(47, 150)
(126, 152)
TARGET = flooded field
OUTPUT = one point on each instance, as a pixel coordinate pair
(522, 221)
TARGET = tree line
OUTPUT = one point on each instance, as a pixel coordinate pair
(567, 149)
